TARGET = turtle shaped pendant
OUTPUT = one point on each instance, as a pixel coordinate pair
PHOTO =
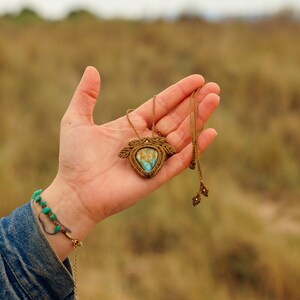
(147, 155)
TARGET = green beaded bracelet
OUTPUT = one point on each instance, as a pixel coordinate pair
(37, 198)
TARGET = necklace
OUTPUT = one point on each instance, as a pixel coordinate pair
(203, 190)
(147, 155)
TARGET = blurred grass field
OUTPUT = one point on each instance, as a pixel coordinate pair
(243, 241)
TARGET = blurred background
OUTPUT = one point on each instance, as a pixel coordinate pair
(243, 241)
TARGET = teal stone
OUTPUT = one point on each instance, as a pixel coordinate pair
(46, 210)
(43, 203)
(38, 199)
(147, 158)
(36, 193)
(52, 217)
(57, 229)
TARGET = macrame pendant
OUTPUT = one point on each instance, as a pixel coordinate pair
(147, 155)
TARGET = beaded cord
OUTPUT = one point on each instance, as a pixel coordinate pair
(48, 212)
(37, 198)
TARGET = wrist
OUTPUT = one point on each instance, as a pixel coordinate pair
(65, 203)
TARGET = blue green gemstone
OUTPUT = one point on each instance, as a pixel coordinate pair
(43, 203)
(46, 210)
(57, 229)
(52, 217)
(38, 199)
(36, 193)
(147, 158)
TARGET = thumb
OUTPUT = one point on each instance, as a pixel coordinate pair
(84, 99)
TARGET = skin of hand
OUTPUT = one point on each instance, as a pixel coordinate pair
(92, 182)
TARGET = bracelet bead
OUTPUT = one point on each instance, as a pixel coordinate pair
(36, 193)
(52, 217)
(43, 203)
(38, 199)
(57, 229)
(46, 210)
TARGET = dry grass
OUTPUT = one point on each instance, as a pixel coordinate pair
(243, 242)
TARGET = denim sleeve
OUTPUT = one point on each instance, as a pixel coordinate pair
(29, 267)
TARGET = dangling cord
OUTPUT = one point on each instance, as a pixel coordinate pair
(196, 153)
(127, 115)
(153, 127)
(76, 244)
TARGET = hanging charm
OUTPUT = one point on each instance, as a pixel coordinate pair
(147, 155)
(203, 190)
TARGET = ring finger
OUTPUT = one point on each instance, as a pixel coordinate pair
(172, 120)
(180, 137)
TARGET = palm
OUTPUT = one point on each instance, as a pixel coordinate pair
(89, 159)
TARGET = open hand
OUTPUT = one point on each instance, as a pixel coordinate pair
(89, 165)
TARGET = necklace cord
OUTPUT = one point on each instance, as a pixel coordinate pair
(153, 127)
(128, 119)
(194, 132)
(195, 151)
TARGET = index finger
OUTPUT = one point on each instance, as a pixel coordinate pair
(169, 98)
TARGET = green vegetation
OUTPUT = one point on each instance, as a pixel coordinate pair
(243, 241)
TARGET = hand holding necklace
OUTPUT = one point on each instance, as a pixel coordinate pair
(92, 182)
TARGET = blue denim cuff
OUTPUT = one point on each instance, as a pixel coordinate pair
(30, 267)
